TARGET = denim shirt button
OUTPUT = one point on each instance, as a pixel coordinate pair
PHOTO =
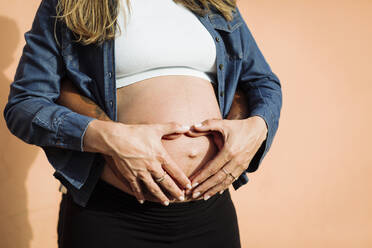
(221, 66)
(217, 39)
(109, 74)
(222, 93)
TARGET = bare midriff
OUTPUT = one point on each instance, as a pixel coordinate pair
(184, 99)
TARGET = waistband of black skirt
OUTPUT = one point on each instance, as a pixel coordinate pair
(107, 193)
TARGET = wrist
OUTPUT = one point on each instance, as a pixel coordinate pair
(95, 138)
(261, 123)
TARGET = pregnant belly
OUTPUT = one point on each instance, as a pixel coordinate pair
(183, 99)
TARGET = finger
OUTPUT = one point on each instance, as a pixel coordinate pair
(130, 182)
(235, 170)
(194, 133)
(118, 174)
(172, 127)
(137, 190)
(154, 188)
(111, 164)
(209, 125)
(172, 188)
(167, 182)
(223, 157)
(211, 182)
(218, 188)
(174, 170)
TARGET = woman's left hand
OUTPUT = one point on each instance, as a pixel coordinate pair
(241, 140)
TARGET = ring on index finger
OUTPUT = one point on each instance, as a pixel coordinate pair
(160, 179)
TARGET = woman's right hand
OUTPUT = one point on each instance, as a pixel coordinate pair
(138, 154)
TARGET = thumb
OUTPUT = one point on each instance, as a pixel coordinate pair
(208, 125)
(173, 127)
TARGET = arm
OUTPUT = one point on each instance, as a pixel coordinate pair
(239, 108)
(72, 99)
(263, 90)
(31, 113)
(239, 155)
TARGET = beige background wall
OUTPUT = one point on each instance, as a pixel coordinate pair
(313, 188)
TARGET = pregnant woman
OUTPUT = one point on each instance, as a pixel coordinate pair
(133, 104)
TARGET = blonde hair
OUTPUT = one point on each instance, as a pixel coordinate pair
(94, 21)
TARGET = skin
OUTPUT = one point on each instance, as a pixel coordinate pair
(234, 157)
(71, 98)
(234, 152)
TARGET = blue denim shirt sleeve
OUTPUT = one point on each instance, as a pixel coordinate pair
(31, 113)
(263, 90)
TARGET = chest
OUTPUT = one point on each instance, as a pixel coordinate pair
(161, 34)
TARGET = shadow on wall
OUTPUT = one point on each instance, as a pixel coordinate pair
(16, 157)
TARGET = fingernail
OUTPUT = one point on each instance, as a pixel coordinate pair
(206, 197)
(184, 127)
(141, 201)
(195, 184)
(181, 198)
(198, 125)
(166, 203)
(196, 194)
(221, 192)
(188, 186)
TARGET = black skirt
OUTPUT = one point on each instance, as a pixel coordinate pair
(114, 219)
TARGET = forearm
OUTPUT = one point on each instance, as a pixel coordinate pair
(239, 108)
(72, 99)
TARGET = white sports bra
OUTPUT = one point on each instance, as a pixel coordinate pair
(162, 38)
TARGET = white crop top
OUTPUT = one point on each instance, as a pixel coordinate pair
(162, 38)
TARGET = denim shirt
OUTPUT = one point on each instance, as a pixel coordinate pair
(50, 54)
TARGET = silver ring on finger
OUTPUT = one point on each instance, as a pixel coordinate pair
(160, 179)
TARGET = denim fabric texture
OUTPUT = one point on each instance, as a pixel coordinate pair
(50, 54)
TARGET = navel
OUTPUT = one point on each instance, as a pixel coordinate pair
(193, 153)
